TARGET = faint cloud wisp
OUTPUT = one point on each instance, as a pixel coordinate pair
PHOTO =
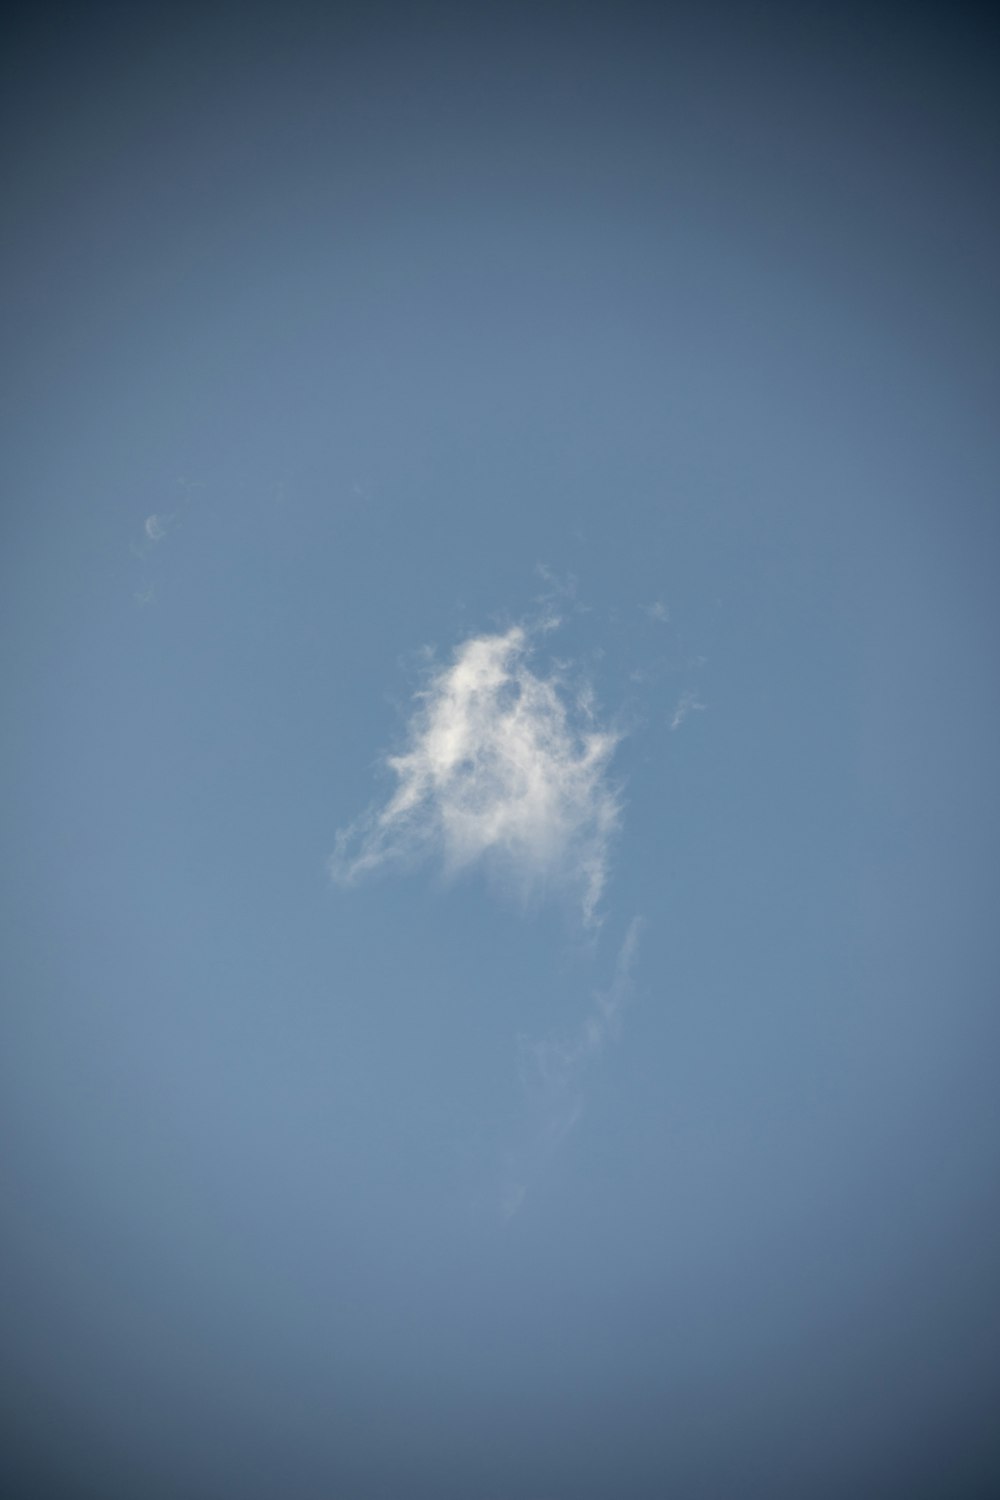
(154, 529)
(688, 703)
(503, 766)
(552, 1072)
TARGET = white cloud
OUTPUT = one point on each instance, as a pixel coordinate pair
(657, 611)
(502, 766)
(688, 703)
(155, 528)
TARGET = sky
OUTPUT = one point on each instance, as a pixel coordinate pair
(499, 968)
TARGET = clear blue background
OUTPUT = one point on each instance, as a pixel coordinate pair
(378, 310)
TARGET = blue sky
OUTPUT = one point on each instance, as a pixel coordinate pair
(499, 604)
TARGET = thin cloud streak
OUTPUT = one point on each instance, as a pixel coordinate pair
(552, 1072)
(688, 703)
(502, 767)
(557, 1066)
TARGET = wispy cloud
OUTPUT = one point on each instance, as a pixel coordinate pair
(552, 1073)
(558, 586)
(502, 766)
(656, 612)
(557, 1066)
(688, 703)
(154, 529)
